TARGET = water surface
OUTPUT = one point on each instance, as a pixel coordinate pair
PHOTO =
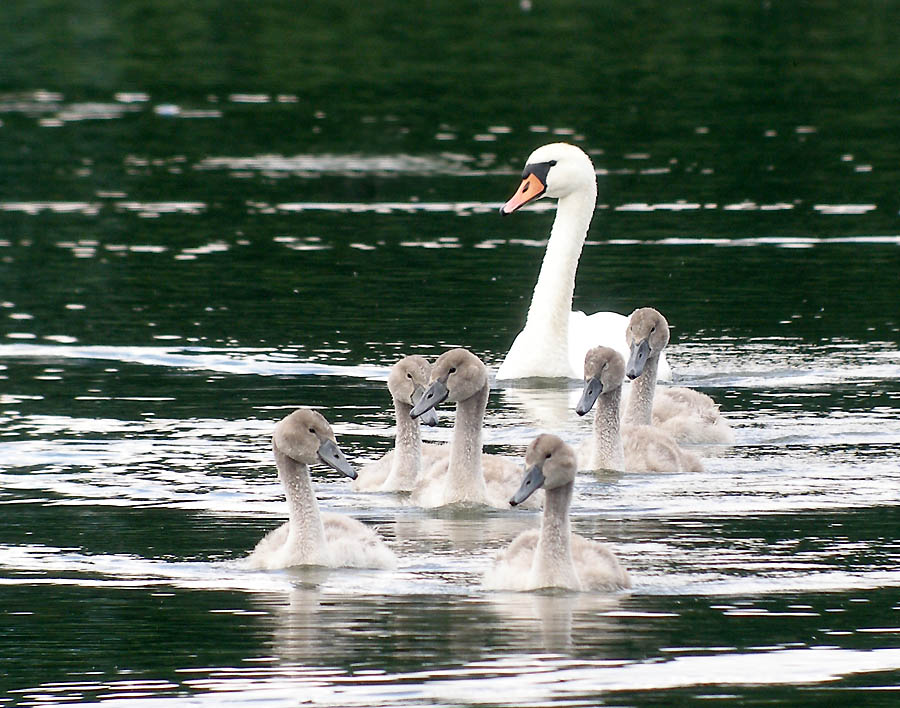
(209, 218)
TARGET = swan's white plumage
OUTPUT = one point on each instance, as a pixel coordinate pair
(553, 556)
(555, 339)
(400, 468)
(310, 537)
(466, 475)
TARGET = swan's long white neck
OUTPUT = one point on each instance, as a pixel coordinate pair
(640, 403)
(553, 565)
(552, 300)
(306, 534)
(465, 474)
(608, 452)
(407, 450)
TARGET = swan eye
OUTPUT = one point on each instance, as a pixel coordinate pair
(552, 163)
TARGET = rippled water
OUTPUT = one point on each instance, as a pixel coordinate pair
(205, 223)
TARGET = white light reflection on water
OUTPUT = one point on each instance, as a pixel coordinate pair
(526, 680)
(810, 472)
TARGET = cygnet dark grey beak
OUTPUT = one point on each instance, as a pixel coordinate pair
(332, 456)
(429, 417)
(534, 480)
(640, 352)
(592, 390)
(433, 396)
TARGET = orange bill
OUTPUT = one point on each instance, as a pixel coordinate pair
(530, 189)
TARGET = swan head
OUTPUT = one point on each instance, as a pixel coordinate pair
(646, 336)
(407, 382)
(604, 371)
(306, 437)
(549, 463)
(555, 170)
(456, 376)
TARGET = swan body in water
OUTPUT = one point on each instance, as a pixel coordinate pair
(399, 469)
(623, 448)
(466, 475)
(687, 415)
(555, 339)
(309, 537)
(553, 556)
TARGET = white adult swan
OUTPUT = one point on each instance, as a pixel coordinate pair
(466, 475)
(310, 537)
(688, 416)
(555, 339)
(553, 557)
(628, 448)
(398, 469)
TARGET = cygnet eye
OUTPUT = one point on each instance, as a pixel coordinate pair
(549, 455)
(312, 430)
(408, 375)
(452, 370)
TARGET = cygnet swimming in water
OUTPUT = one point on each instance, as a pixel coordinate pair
(624, 448)
(553, 556)
(309, 537)
(399, 469)
(687, 415)
(466, 475)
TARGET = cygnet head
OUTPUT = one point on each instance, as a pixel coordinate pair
(604, 371)
(647, 335)
(306, 437)
(549, 463)
(457, 375)
(407, 382)
(555, 170)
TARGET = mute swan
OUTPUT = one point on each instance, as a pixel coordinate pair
(309, 537)
(687, 415)
(553, 557)
(555, 339)
(466, 475)
(399, 469)
(633, 448)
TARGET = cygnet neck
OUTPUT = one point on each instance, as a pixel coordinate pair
(640, 403)
(553, 564)
(465, 474)
(306, 534)
(551, 303)
(608, 451)
(407, 449)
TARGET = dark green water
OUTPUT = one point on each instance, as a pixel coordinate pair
(210, 215)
